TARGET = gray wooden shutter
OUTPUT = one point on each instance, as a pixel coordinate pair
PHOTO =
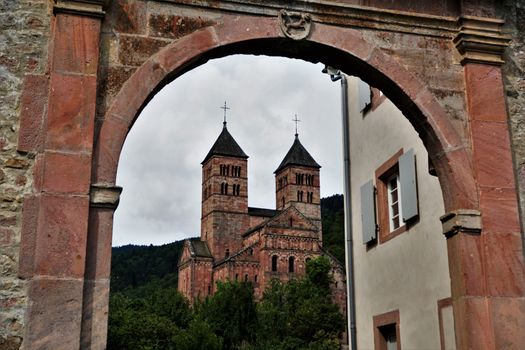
(368, 212)
(364, 95)
(408, 180)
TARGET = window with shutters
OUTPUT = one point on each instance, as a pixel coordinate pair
(392, 205)
(396, 195)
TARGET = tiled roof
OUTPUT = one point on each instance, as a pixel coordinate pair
(225, 145)
(200, 249)
(297, 155)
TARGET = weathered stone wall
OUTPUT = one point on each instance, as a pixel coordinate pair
(24, 31)
(513, 11)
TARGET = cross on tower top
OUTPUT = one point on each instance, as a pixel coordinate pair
(224, 108)
(296, 121)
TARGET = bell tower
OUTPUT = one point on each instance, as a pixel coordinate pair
(297, 183)
(224, 210)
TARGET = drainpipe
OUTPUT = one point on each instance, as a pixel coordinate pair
(336, 75)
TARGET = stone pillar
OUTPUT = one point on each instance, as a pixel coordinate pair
(103, 201)
(485, 251)
(55, 218)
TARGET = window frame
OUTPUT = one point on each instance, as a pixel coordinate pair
(383, 174)
(390, 318)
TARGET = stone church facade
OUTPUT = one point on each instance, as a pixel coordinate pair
(255, 245)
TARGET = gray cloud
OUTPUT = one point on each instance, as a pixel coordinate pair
(160, 167)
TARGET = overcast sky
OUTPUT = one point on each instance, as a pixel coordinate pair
(160, 168)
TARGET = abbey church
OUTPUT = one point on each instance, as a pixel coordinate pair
(243, 243)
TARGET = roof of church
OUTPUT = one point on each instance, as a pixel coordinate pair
(200, 249)
(225, 145)
(297, 155)
(262, 212)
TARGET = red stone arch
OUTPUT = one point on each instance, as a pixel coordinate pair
(67, 220)
(344, 48)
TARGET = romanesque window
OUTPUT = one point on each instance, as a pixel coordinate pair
(227, 253)
(236, 190)
(246, 278)
(250, 251)
(236, 276)
(227, 170)
(310, 197)
(224, 188)
(236, 171)
(300, 196)
(280, 183)
(255, 278)
(285, 180)
(282, 200)
(209, 190)
(222, 170)
(205, 193)
(274, 263)
(291, 263)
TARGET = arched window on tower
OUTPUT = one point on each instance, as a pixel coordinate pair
(298, 196)
(227, 170)
(225, 188)
(282, 201)
(291, 264)
(222, 187)
(274, 263)
(226, 253)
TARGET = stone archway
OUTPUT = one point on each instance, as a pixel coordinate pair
(69, 271)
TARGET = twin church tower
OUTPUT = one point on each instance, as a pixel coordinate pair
(239, 242)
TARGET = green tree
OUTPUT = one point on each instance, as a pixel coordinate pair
(231, 313)
(198, 336)
(300, 314)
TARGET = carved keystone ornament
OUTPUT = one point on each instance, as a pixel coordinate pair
(295, 25)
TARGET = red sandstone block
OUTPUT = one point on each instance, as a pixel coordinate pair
(508, 318)
(98, 258)
(492, 155)
(457, 180)
(127, 16)
(95, 315)
(54, 314)
(32, 109)
(466, 261)
(347, 39)
(137, 90)
(236, 28)
(60, 246)
(472, 317)
(75, 44)
(38, 172)
(28, 237)
(183, 51)
(485, 92)
(107, 150)
(499, 208)
(174, 27)
(71, 113)
(504, 267)
(66, 173)
(135, 50)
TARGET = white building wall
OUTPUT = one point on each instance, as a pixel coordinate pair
(408, 273)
